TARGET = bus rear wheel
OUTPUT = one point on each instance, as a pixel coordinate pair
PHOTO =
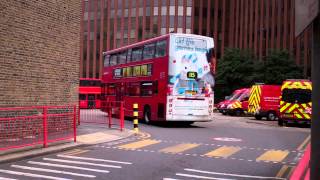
(147, 115)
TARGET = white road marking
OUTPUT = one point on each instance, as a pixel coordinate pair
(3, 178)
(80, 162)
(169, 179)
(233, 175)
(31, 175)
(52, 171)
(67, 166)
(92, 159)
(200, 177)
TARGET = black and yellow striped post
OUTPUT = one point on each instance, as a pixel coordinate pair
(135, 116)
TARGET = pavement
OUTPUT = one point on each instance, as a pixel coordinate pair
(87, 134)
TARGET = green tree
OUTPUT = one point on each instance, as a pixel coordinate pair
(279, 66)
(240, 68)
(235, 70)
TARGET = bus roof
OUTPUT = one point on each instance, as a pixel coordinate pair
(151, 40)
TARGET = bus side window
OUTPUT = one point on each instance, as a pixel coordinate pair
(133, 89)
(106, 60)
(136, 54)
(146, 88)
(149, 51)
(122, 57)
(113, 59)
(82, 97)
(161, 48)
(129, 55)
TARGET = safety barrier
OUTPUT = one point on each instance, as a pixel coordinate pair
(29, 126)
(302, 171)
(135, 116)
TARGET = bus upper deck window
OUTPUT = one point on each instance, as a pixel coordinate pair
(149, 51)
(106, 60)
(136, 54)
(129, 55)
(113, 59)
(122, 57)
(161, 48)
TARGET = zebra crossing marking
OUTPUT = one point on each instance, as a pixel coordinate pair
(68, 166)
(18, 173)
(80, 162)
(93, 159)
(52, 171)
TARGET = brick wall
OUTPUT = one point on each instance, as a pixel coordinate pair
(39, 52)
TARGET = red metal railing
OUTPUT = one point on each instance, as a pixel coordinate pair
(115, 108)
(29, 126)
(111, 113)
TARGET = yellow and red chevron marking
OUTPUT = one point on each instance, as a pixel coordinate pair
(300, 84)
(254, 99)
(237, 105)
(298, 110)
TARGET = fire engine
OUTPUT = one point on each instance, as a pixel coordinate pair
(264, 101)
(295, 102)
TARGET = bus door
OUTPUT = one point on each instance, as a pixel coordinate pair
(91, 101)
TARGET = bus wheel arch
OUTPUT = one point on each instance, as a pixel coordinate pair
(147, 114)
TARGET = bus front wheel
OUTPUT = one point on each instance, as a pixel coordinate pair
(147, 114)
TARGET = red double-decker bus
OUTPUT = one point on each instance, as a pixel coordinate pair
(170, 77)
(90, 93)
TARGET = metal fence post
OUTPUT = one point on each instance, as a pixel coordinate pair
(135, 116)
(109, 114)
(74, 123)
(79, 114)
(45, 127)
(121, 116)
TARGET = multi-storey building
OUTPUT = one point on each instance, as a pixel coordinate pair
(259, 25)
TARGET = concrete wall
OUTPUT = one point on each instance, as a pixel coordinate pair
(39, 52)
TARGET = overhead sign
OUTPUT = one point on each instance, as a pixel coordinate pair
(305, 12)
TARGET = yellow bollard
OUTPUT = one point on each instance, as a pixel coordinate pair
(135, 116)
